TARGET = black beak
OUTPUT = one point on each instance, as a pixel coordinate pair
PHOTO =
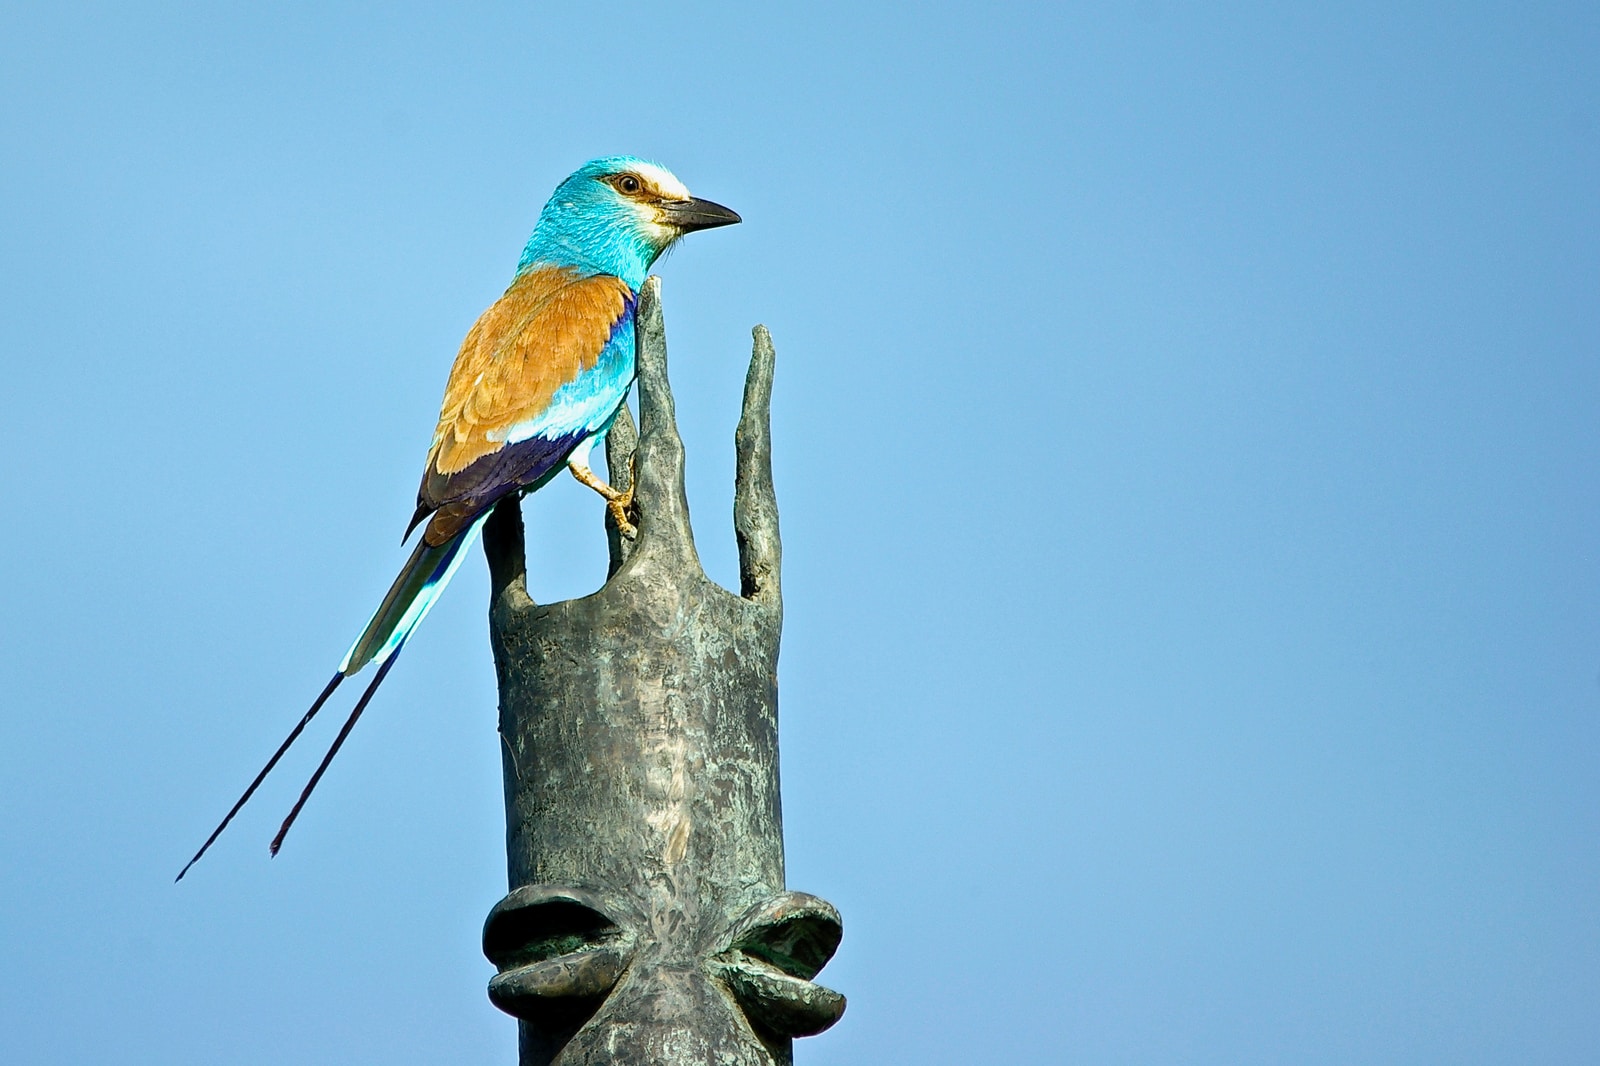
(690, 215)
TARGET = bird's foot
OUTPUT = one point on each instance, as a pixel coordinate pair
(617, 501)
(619, 511)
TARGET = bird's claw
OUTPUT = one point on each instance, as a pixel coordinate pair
(619, 514)
(620, 503)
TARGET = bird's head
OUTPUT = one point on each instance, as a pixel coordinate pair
(616, 216)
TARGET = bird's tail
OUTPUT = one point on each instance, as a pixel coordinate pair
(410, 598)
(420, 583)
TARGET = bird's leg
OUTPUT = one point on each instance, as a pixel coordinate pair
(617, 501)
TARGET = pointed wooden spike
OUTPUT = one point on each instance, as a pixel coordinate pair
(664, 529)
(755, 504)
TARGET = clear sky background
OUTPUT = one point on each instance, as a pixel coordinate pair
(1187, 444)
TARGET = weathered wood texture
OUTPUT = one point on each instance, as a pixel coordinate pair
(648, 921)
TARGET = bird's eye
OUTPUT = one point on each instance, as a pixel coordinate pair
(629, 184)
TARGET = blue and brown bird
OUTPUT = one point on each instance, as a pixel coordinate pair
(539, 379)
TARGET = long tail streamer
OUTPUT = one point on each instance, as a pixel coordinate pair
(412, 595)
(294, 734)
(338, 742)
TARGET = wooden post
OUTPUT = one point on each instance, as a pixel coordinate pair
(647, 920)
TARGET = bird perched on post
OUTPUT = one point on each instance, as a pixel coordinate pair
(537, 383)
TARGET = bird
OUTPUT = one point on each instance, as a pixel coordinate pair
(537, 383)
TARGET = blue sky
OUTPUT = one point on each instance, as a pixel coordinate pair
(1186, 441)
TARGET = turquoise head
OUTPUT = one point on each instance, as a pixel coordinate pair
(616, 216)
